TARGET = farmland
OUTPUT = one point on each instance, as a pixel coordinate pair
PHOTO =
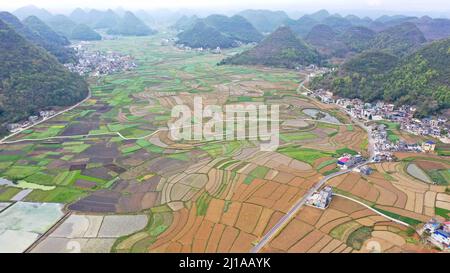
(343, 228)
(112, 159)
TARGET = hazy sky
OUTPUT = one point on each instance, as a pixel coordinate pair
(435, 6)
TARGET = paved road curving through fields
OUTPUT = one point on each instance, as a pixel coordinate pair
(294, 210)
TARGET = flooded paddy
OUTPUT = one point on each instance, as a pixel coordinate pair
(418, 173)
(23, 223)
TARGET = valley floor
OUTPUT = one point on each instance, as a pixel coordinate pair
(111, 162)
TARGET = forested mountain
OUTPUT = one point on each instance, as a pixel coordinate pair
(320, 15)
(264, 21)
(306, 23)
(302, 26)
(31, 10)
(31, 79)
(333, 44)
(38, 26)
(358, 38)
(357, 21)
(83, 32)
(79, 15)
(109, 19)
(203, 35)
(219, 31)
(81, 21)
(399, 40)
(338, 23)
(127, 23)
(185, 22)
(326, 41)
(89, 18)
(431, 28)
(40, 35)
(421, 78)
(236, 27)
(130, 25)
(280, 49)
(57, 44)
(390, 18)
(145, 17)
(64, 26)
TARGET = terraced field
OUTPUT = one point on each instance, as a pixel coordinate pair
(113, 155)
(344, 227)
(391, 189)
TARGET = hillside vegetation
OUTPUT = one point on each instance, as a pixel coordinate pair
(421, 78)
(130, 25)
(280, 49)
(31, 79)
(264, 21)
(399, 40)
(64, 26)
(202, 35)
(38, 33)
(219, 31)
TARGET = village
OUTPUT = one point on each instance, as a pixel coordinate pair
(173, 42)
(378, 116)
(436, 233)
(93, 64)
(43, 115)
(379, 119)
(97, 63)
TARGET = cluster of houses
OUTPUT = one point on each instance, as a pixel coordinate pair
(380, 111)
(99, 63)
(216, 50)
(404, 115)
(382, 144)
(365, 170)
(437, 233)
(43, 115)
(313, 70)
(168, 42)
(321, 199)
(348, 161)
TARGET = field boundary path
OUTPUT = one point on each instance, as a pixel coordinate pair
(116, 133)
(80, 136)
(372, 209)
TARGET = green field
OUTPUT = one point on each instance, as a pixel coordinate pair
(392, 130)
(304, 154)
(297, 136)
(115, 144)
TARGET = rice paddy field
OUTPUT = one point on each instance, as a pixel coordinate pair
(22, 224)
(366, 215)
(90, 233)
(345, 227)
(112, 162)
